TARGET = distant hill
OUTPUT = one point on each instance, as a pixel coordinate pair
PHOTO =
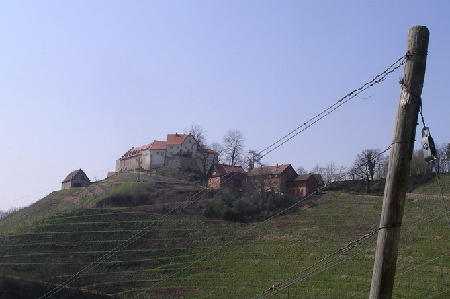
(125, 237)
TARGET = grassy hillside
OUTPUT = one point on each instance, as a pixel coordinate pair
(187, 255)
(435, 185)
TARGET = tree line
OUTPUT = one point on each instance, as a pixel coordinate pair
(10, 211)
(231, 151)
(369, 164)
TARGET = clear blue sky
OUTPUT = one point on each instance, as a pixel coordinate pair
(83, 81)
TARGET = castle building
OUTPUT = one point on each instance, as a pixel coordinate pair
(179, 150)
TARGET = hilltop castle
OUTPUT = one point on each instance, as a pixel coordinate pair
(179, 150)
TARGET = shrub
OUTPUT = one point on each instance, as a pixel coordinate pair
(19, 288)
(243, 208)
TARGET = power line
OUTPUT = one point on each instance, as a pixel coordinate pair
(317, 267)
(213, 252)
(30, 195)
(409, 270)
(430, 148)
(329, 260)
(377, 79)
(438, 294)
(304, 126)
(145, 230)
(425, 263)
(120, 247)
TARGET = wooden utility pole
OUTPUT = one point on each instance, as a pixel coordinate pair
(399, 164)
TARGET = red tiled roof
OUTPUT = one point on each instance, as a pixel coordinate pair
(141, 148)
(158, 145)
(223, 169)
(207, 150)
(155, 145)
(172, 139)
(266, 170)
(303, 177)
(176, 138)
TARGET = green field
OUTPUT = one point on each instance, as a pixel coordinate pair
(183, 254)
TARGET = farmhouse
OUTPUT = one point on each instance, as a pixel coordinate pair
(76, 178)
(226, 176)
(304, 185)
(271, 178)
(178, 150)
(282, 179)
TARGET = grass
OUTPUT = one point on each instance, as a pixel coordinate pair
(434, 186)
(65, 201)
(189, 256)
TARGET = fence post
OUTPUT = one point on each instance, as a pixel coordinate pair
(399, 164)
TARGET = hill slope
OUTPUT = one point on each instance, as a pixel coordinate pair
(184, 254)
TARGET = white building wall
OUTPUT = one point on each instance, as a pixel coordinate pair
(157, 157)
(172, 150)
(189, 146)
(152, 157)
(128, 164)
(145, 160)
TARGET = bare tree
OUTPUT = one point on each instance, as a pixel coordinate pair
(199, 135)
(4, 214)
(233, 144)
(441, 163)
(445, 149)
(331, 172)
(300, 170)
(441, 160)
(448, 151)
(381, 168)
(365, 164)
(335, 173)
(218, 148)
(418, 164)
(205, 158)
(253, 159)
(319, 170)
